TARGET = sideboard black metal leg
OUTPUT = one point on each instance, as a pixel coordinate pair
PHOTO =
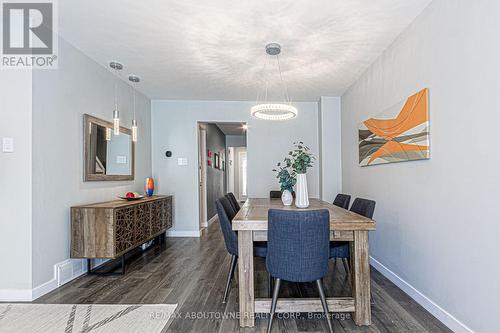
(111, 272)
(123, 264)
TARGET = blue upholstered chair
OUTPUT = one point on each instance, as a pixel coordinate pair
(363, 207)
(342, 200)
(360, 206)
(341, 249)
(298, 250)
(226, 213)
(233, 201)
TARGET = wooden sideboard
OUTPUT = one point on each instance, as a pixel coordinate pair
(110, 229)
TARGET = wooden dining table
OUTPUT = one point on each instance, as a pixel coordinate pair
(251, 225)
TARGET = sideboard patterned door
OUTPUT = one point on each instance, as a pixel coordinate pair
(125, 228)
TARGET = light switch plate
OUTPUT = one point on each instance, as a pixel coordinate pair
(182, 161)
(121, 159)
(8, 145)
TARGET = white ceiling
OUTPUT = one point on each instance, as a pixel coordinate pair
(214, 50)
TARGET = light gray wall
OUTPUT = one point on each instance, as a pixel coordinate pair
(236, 140)
(437, 220)
(330, 147)
(15, 182)
(215, 180)
(60, 98)
(119, 145)
(175, 128)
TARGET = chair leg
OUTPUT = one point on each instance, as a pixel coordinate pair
(234, 259)
(325, 305)
(269, 284)
(273, 304)
(346, 265)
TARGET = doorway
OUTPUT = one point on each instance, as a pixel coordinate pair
(237, 172)
(222, 165)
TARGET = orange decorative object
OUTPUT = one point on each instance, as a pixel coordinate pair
(399, 134)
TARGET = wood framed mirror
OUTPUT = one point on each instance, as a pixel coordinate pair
(107, 157)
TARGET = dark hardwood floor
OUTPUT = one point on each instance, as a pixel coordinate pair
(191, 272)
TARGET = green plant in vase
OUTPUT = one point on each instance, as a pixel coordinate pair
(286, 178)
(301, 159)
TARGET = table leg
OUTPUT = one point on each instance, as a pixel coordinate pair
(360, 276)
(246, 281)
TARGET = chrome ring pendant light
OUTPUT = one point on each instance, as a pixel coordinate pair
(274, 111)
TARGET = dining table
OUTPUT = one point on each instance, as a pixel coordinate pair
(251, 224)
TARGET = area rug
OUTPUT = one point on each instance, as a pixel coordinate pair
(68, 318)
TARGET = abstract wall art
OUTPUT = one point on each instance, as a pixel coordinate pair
(400, 133)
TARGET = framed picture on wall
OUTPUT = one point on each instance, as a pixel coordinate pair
(216, 160)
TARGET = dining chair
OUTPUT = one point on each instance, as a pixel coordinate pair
(233, 201)
(298, 251)
(340, 250)
(275, 195)
(226, 213)
(342, 200)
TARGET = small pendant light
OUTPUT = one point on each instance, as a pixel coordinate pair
(134, 79)
(116, 66)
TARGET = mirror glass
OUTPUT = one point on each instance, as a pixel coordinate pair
(108, 156)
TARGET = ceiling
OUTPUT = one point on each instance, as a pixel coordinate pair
(232, 128)
(214, 50)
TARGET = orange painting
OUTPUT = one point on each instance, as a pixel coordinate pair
(399, 134)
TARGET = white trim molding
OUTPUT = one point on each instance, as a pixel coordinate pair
(441, 314)
(15, 295)
(183, 233)
(70, 268)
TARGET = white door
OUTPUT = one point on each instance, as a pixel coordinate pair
(242, 163)
(202, 175)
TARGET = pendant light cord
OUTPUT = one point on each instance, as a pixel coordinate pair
(134, 88)
(116, 94)
(283, 83)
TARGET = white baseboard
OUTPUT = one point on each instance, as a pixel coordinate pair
(43, 289)
(15, 295)
(441, 314)
(64, 272)
(183, 233)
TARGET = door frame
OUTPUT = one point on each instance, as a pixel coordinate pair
(202, 175)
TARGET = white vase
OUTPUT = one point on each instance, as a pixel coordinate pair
(302, 197)
(287, 198)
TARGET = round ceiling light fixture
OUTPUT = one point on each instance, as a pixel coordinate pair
(274, 111)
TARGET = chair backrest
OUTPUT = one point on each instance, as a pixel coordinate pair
(363, 207)
(274, 194)
(277, 194)
(233, 201)
(342, 200)
(224, 209)
(298, 244)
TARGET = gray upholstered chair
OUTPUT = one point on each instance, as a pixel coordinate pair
(360, 206)
(342, 200)
(341, 249)
(233, 201)
(226, 213)
(298, 251)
